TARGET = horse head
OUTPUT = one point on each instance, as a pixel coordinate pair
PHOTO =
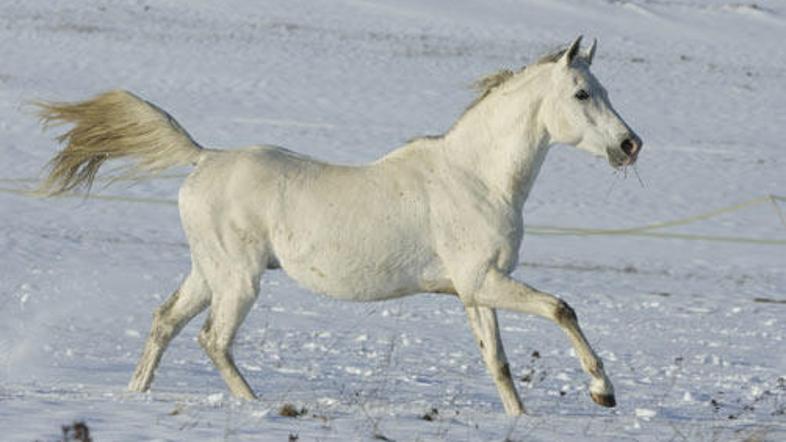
(577, 110)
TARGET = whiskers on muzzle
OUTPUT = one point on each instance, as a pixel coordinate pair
(622, 171)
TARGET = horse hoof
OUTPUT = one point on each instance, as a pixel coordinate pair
(605, 400)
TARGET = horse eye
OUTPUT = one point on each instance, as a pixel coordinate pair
(582, 95)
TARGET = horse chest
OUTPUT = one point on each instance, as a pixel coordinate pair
(502, 238)
(475, 229)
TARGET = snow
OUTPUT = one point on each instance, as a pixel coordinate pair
(691, 354)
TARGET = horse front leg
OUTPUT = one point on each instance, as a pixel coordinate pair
(483, 321)
(500, 291)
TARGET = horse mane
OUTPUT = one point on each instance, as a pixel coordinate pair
(551, 57)
(486, 84)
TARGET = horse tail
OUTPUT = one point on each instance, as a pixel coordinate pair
(116, 124)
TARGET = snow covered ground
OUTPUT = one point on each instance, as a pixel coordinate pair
(693, 351)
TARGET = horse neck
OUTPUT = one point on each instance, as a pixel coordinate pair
(501, 141)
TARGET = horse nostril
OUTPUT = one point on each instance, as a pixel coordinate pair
(629, 147)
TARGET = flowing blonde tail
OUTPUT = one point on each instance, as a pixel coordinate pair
(115, 124)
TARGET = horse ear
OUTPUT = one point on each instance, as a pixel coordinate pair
(572, 51)
(591, 51)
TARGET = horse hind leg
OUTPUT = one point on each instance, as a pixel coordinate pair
(186, 302)
(234, 292)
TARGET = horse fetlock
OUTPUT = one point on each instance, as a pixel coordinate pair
(139, 385)
(143, 375)
(514, 407)
(604, 400)
(564, 313)
(595, 368)
(601, 385)
(602, 391)
(503, 373)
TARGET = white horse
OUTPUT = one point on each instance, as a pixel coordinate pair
(440, 214)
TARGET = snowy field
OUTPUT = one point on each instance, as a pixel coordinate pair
(692, 328)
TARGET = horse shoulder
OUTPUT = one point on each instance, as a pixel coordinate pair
(475, 229)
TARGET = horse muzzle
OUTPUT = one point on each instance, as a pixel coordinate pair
(627, 152)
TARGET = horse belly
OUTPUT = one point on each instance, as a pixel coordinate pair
(382, 268)
(354, 233)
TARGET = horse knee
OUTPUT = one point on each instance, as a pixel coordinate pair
(564, 313)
